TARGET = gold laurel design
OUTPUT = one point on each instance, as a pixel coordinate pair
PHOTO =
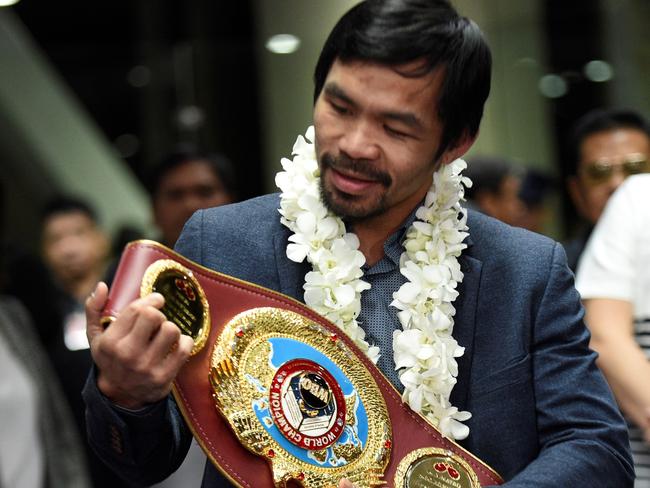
(241, 375)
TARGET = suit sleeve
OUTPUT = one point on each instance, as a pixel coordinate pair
(146, 446)
(582, 435)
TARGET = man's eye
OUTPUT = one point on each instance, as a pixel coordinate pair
(395, 132)
(339, 108)
(173, 194)
(207, 191)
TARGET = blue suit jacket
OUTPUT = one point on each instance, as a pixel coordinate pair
(543, 415)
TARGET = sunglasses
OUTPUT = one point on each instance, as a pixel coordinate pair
(603, 170)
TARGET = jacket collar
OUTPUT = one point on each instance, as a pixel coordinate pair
(465, 325)
(291, 275)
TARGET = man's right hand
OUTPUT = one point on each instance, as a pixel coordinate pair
(139, 354)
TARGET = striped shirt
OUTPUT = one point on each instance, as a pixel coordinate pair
(640, 449)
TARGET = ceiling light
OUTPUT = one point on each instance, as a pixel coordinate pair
(283, 43)
(553, 86)
(598, 71)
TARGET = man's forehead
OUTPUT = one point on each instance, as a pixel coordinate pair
(410, 69)
(68, 216)
(613, 142)
(406, 78)
(189, 171)
(65, 221)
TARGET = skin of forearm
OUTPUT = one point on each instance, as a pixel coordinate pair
(628, 374)
(622, 361)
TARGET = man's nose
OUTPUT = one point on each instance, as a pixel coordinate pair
(360, 142)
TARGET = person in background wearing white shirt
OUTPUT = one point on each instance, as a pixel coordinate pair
(614, 281)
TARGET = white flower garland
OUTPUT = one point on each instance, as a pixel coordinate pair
(424, 350)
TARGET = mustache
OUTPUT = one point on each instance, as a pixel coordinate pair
(360, 167)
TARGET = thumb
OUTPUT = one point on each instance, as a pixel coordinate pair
(94, 306)
(344, 483)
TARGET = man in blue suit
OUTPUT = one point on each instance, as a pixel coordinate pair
(488, 311)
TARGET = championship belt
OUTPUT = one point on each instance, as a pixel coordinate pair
(274, 393)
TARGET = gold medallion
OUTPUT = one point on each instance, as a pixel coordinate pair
(435, 468)
(295, 394)
(185, 302)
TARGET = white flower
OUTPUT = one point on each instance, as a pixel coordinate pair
(424, 350)
(405, 347)
(450, 424)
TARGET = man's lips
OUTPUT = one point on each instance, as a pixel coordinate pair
(351, 183)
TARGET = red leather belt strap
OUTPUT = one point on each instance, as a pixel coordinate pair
(228, 297)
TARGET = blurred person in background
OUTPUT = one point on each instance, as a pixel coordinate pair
(495, 189)
(75, 250)
(185, 181)
(40, 446)
(614, 281)
(607, 146)
(534, 192)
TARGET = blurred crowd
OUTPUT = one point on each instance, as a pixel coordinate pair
(44, 356)
(44, 353)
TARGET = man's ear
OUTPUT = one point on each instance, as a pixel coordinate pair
(460, 148)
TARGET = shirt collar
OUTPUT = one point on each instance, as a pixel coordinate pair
(393, 248)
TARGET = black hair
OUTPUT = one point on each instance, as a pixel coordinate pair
(394, 32)
(184, 153)
(535, 187)
(487, 175)
(599, 120)
(63, 204)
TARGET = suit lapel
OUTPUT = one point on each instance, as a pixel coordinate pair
(465, 325)
(291, 275)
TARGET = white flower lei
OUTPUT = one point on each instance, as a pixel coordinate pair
(424, 350)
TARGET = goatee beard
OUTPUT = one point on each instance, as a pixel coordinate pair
(345, 205)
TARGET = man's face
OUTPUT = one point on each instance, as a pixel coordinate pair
(377, 133)
(73, 246)
(182, 191)
(606, 159)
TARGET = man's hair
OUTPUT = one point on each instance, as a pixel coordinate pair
(63, 204)
(182, 154)
(599, 120)
(535, 187)
(394, 32)
(487, 175)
